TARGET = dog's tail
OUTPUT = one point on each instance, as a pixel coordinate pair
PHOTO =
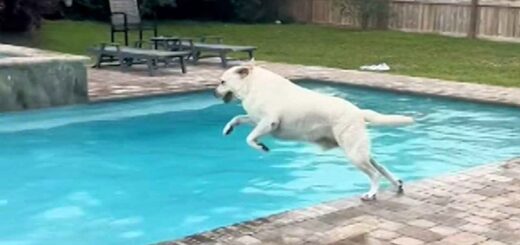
(374, 118)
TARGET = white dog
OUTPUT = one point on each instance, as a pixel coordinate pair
(278, 107)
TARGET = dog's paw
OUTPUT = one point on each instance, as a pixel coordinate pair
(368, 197)
(227, 130)
(263, 147)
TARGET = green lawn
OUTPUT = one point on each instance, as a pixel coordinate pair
(409, 54)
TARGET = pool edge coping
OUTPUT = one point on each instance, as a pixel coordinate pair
(464, 91)
(132, 96)
(30, 56)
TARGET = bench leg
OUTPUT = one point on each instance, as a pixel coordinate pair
(150, 63)
(126, 37)
(196, 56)
(99, 59)
(250, 53)
(223, 59)
(129, 62)
(122, 61)
(140, 38)
(183, 65)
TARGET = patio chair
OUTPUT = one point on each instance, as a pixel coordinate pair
(126, 56)
(205, 48)
(126, 17)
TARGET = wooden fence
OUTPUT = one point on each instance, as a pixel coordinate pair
(490, 19)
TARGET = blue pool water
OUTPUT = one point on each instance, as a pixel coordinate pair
(145, 171)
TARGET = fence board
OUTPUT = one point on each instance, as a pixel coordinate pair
(496, 19)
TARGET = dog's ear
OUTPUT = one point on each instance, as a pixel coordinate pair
(244, 71)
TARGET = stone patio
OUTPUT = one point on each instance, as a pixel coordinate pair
(478, 206)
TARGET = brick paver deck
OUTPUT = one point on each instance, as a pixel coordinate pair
(111, 84)
(477, 206)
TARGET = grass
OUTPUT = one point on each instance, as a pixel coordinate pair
(423, 55)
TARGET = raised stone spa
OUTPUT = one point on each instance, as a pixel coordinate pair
(33, 78)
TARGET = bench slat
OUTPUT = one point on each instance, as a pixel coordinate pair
(140, 52)
(218, 47)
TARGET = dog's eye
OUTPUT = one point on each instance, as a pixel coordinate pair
(222, 82)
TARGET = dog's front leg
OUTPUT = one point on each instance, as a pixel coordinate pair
(240, 119)
(265, 126)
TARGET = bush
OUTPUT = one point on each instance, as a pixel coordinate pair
(150, 7)
(100, 9)
(219, 10)
(368, 12)
(55, 9)
(255, 10)
(89, 9)
(21, 15)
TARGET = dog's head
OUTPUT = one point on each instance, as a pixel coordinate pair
(234, 83)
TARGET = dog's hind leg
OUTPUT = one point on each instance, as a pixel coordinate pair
(240, 119)
(354, 141)
(373, 175)
(388, 175)
(264, 127)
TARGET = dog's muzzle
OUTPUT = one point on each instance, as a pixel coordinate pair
(227, 97)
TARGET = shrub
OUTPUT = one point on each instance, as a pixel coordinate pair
(220, 10)
(369, 13)
(100, 9)
(21, 15)
(55, 9)
(255, 10)
(149, 7)
(89, 9)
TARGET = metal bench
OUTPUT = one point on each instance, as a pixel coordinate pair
(107, 52)
(203, 49)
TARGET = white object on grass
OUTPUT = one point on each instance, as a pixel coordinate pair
(378, 67)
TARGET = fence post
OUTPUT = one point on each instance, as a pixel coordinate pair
(473, 21)
(311, 12)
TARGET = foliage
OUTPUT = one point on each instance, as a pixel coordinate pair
(21, 15)
(367, 12)
(224, 10)
(100, 10)
(149, 7)
(89, 9)
(255, 10)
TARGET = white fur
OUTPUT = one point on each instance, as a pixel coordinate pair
(278, 107)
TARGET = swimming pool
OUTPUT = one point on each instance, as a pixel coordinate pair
(149, 170)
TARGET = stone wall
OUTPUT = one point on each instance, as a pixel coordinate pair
(42, 85)
(41, 79)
